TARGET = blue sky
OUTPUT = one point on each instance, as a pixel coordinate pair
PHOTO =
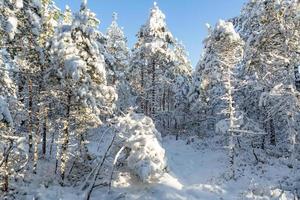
(185, 18)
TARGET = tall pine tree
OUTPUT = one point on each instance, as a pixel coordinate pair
(155, 67)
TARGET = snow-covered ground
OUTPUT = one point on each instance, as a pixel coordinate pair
(191, 175)
(196, 171)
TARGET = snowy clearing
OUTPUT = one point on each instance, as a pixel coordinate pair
(196, 171)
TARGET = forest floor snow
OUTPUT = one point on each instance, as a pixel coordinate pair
(196, 171)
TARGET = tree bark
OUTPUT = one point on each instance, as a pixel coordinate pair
(44, 148)
(64, 156)
(272, 133)
(30, 110)
(153, 110)
(6, 175)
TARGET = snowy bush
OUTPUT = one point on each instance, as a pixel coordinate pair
(147, 156)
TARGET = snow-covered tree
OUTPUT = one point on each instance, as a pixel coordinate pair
(79, 70)
(50, 15)
(181, 111)
(183, 73)
(28, 25)
(12, 156)
(118, 56)
(150, 59)
(269, 29)
(266, 50)
(116, 45)
(8, 20)
(154, 68)
(223, 51)
(283, 103)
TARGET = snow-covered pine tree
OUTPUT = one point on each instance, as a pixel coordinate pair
(50, 16)
(27, 25)
(78, 70)
(21, 22)
(8, 20)
(269, 33)
(150, 57)
(196, 99)
(183, 71)
(292, 26)
(116, 46)
(153, 69)
(67, 15)
(13, 156)
(223, 50)
(117, 52)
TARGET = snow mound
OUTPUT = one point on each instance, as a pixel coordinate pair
(146, 157)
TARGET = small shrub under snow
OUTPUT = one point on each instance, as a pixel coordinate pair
(146, 157)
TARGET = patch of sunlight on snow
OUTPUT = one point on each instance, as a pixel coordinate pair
(207, 188)
(171, 181)
(126, 180)
(123, 180)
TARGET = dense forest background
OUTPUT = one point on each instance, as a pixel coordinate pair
(63, 83)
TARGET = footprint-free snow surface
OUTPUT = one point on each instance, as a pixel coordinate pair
(196, 171)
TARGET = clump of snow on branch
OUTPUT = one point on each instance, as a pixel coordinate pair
(11, 26)
(224, 28)
(19, 4)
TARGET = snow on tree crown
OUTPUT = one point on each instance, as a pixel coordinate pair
(86, 16)
(156, 25)
(114, 24)
(157, 19)
(224, 28)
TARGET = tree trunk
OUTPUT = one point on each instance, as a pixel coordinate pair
(272, 133)
(168, 106)
(36, 153)
(265, 124)
(51, 145)
(44, 148)
(64, 153)
(30, 110)
(142, 91)
(231, 125)
(6, 175)
(153, 90)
